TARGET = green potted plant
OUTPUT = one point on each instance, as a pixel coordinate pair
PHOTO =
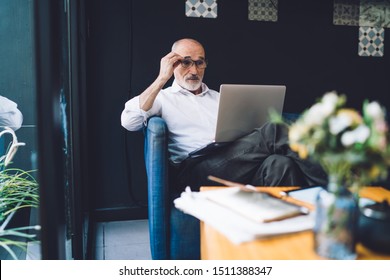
(18, 190)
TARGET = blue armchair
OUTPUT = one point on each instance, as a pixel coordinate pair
(173, 234)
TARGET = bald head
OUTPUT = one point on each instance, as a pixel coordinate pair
(186, 42)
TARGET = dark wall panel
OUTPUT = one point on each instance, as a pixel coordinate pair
(116, 166)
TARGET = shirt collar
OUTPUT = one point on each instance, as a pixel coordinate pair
(177, 88)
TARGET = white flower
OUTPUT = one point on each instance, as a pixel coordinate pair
(374, 110)
(330, 99)
(318, 113)
(297, 131)
(358, 135)
(328, 108)
(314, 116)
(339, 123)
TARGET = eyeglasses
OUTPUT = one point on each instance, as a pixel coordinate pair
(188, 62)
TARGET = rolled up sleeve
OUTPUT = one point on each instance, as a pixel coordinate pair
(133, 118)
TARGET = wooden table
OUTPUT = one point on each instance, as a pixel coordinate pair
(297, 246)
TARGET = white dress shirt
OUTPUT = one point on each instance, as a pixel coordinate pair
(9, 114)
(191, 119)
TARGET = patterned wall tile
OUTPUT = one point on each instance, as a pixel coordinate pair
(263, 10)
(346, 12)
(201, 8)
(371, 41)
(375, 13)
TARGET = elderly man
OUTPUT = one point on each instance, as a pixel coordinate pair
(189, 108)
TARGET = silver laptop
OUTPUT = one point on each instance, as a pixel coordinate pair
(243, 108)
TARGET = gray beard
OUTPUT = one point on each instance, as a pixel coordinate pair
(193, 86)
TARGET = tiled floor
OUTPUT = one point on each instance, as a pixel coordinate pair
(122, 240)
(119, 240)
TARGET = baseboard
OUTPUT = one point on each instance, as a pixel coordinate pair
(120, 214)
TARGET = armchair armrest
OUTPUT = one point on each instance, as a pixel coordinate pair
(156, 160)
(173, 234)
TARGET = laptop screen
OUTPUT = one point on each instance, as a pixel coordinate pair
(243, 108)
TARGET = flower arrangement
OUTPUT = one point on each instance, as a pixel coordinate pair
(352, 147)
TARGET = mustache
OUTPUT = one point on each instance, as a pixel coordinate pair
(193, 78)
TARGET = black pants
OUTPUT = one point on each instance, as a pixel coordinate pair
(261, 158)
